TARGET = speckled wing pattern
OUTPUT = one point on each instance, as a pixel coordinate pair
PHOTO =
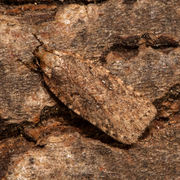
(95, 94)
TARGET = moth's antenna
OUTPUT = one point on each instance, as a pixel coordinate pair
(41, 43)
(45, 46)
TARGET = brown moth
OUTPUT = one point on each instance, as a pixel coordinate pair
(95, 94)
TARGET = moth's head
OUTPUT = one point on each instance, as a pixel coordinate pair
(44, 60)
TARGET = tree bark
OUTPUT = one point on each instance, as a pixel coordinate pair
(138, 41)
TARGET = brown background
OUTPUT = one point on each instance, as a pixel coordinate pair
(136, 40)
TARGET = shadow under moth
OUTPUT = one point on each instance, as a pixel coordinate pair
(96, 95)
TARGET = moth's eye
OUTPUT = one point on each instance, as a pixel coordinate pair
(34, 60)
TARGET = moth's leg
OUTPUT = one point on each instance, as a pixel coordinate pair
(33, 66)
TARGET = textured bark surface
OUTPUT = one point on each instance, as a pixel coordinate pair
(138, 41)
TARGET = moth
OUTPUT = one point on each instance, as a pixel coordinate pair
(96, 95)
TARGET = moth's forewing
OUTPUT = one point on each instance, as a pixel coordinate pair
(97, 95)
